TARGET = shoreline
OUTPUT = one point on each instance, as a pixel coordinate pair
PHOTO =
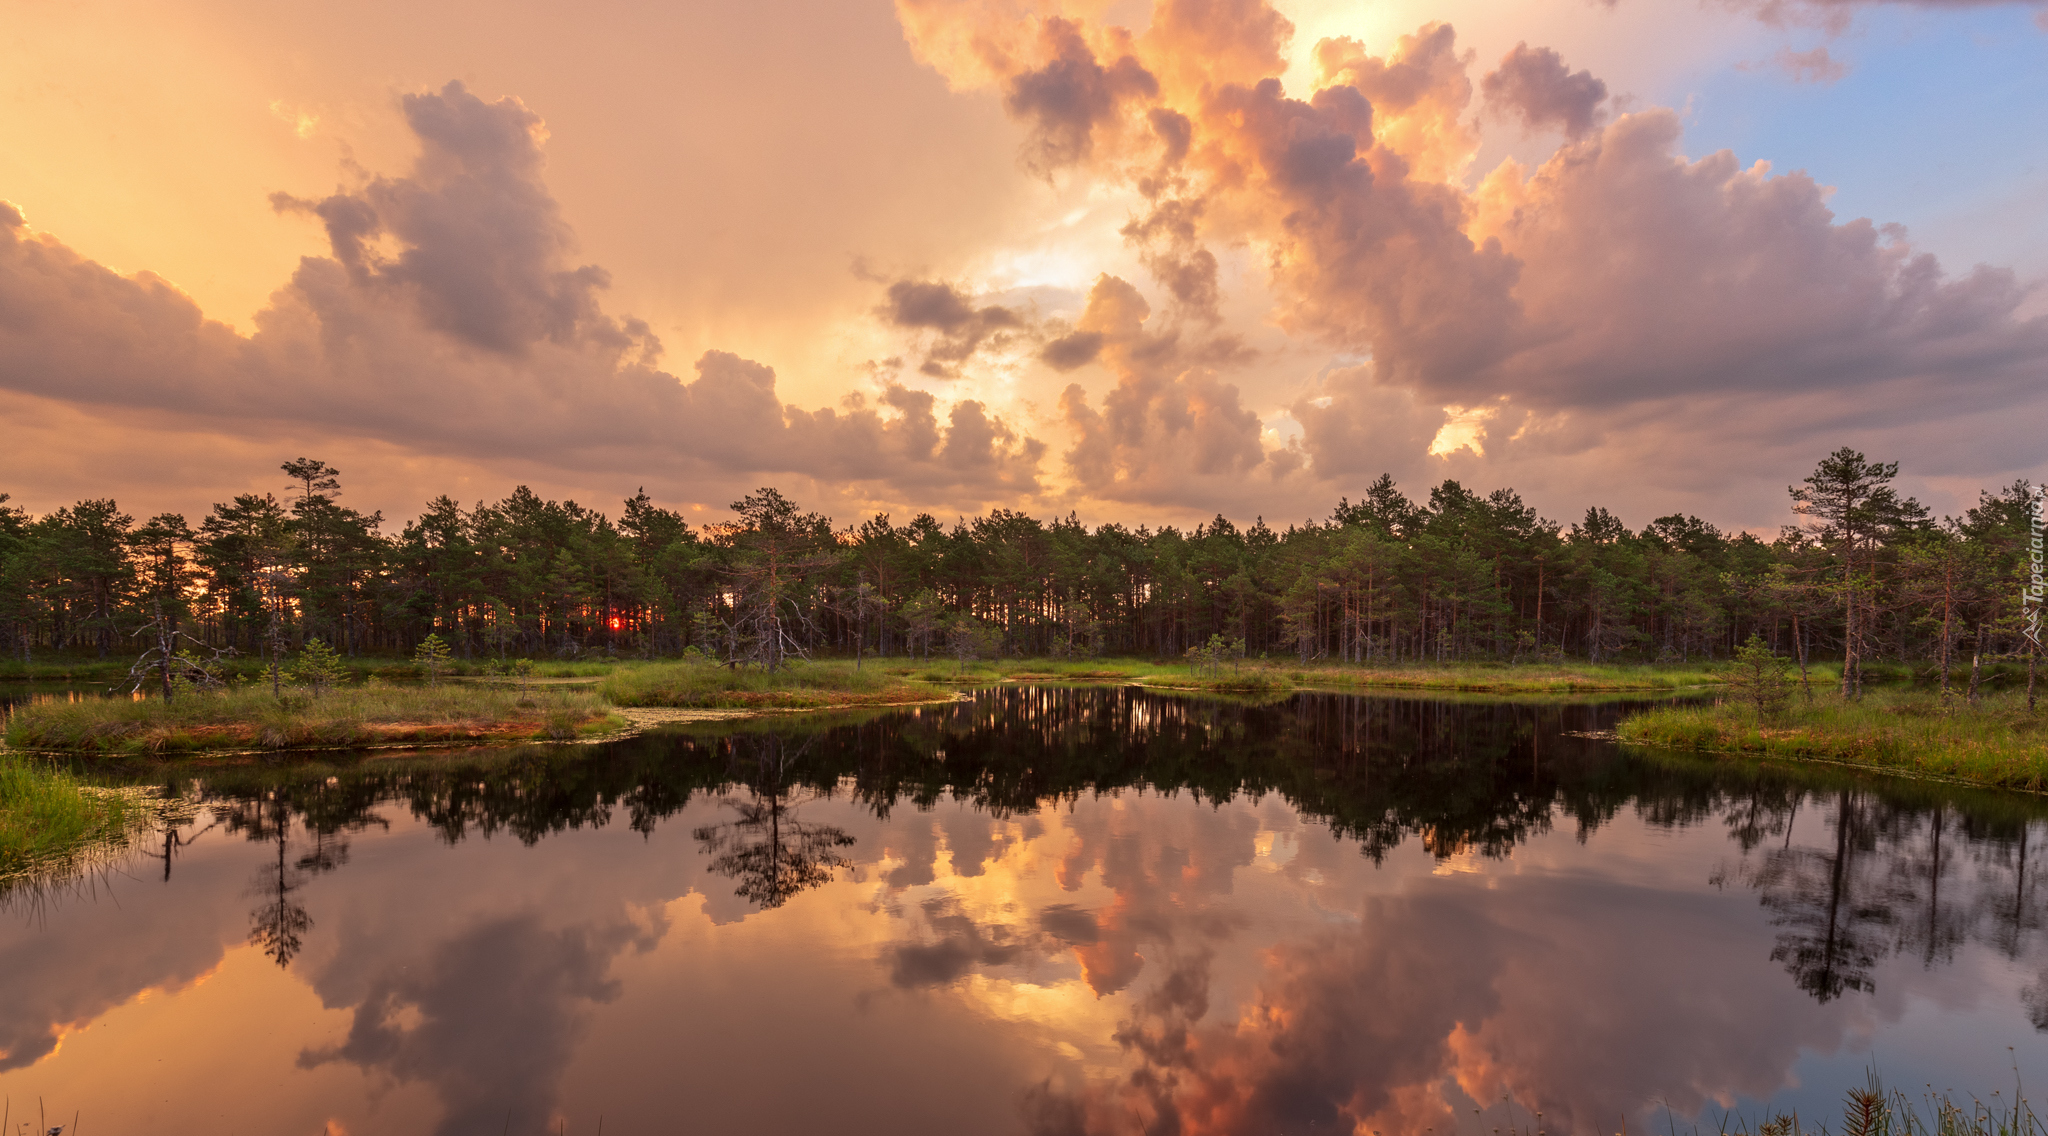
(1994, 745)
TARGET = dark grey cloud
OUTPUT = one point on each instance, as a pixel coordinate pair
(961, 327)
(497, 1012)
(1069, 924)
(1075, 349)
(1066, 100)
(959, 946)
(483, 244)
(1535, 85)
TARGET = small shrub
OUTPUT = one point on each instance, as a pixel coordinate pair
(432, 656)
(318, 667)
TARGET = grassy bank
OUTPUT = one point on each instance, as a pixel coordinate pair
(1271, 674)
(1995, 743)
(803, 686)
(46, 814)
(250, 718)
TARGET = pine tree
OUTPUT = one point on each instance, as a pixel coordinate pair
(318, 667)
(432, 656)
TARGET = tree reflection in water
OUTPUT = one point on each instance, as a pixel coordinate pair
(1851, 871)
(279, 923)
(771, 852)
(1856, 881)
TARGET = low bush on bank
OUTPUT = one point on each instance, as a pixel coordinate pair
(1996, 742)
(250, 717)
(800, 686)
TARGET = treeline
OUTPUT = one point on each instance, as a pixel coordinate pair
(1457, 577)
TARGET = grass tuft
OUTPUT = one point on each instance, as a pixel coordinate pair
(46, 813)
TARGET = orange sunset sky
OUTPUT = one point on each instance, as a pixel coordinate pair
(1143, 262)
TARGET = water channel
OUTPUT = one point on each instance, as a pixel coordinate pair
(1044, 910)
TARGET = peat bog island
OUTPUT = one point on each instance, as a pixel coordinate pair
(944, 567)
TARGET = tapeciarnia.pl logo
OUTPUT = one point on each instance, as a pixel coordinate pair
(2032, 595)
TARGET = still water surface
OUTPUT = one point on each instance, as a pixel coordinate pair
(1044, 911)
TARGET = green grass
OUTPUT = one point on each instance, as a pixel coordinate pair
(802, 686)
(1255, 674)
(1995, 743)
(248, 717)
(1278, 675)
(47, 814)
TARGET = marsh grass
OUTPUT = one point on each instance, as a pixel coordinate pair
(1261, 675)
(803, 686)
(250, 718)
(1996, 742)
(1532, 678)
(48, 815)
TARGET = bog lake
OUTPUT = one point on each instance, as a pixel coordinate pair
(1039, 910)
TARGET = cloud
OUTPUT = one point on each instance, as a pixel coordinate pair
(1203, 44)
(960, 946)
(1365, 257)
(1593, 305)
(1069, 924)
(1835, 15)
(1368, 1027)
(961, 328)
(448, 318)
(483, 247)
(1617, 299)
(1067, 99)
(1815, 66)
(490, 1018)
(1171, 251)
(1535, 84)
(1170, 430)
(1735, 279)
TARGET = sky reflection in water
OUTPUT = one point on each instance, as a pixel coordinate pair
(1047, 911)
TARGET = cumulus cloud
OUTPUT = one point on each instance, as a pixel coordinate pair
(1603, 300)
(1068, 98)
(483, 250)
(448, 318)
(1608, 294)
(1736, 279)
(1171, 430)
(1535, 85)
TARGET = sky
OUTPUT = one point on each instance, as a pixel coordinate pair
(1140, 262)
